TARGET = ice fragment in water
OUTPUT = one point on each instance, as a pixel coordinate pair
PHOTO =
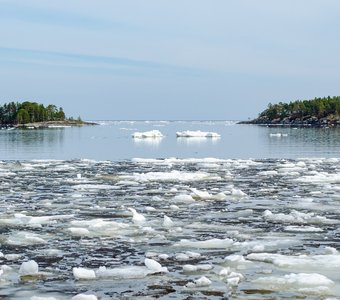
(154, 266)
(29, 268)
(197, 133)
(201, 282)
(82, 273)
(84, 297)
(136, 217)
(168, 222)
(147, 134)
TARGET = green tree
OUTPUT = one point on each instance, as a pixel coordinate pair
(23, 116)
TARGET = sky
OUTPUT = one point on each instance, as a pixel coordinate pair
(168, 59)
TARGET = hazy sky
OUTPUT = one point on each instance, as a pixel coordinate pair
(168, 59)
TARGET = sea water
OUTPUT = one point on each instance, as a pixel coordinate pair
(112, 140)
(92, 213)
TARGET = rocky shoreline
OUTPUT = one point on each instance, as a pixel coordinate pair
(53, 124)
(308, 121)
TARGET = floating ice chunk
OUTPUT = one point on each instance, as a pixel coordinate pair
(207, 244)
(235, 260)
(78, 176)
(224, 272)
(147, 134)
(189, 268)
(82, 273)
(79, 231)
(154, 266)
(12, 257)
(196, 194)
(167, 222)
(174, 207)
(29, 268)
(198, 133)
(297, 217)
(182, 257)
(320, 178)
(306, 262)
(163, 256)
(268, 173)
(150, 208)
(42, 298)
(173, 176)
(24, 238)
(194, 268)
(204, 195)
(183, 198)
(193, 254)
(331, 250)
(314, 284)
(278, 134)
(238, 193)
(302, 229)
(136, 217)
(201, 282)
(84, 297)
(20, 219)
(129, 272)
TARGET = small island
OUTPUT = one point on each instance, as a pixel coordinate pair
(34, 115)
(319, 112)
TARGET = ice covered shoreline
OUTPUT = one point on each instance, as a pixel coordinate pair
(171, 227)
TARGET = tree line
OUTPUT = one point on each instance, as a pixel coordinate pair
(318, 107)
(29, 112)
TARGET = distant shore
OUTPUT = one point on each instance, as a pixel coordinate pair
(296, 122)
(55, 124)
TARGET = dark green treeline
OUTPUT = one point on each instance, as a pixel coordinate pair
(28, 112)
(318, 107)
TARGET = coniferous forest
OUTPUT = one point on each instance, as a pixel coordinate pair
(13, 113)
(316, 112)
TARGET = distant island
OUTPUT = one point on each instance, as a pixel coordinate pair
(34, 115)
(319, 112)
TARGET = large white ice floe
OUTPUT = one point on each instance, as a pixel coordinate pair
(172, 176)
(96, 227)
(207, 244)
(147, 134)
(132, 272)
(197, 133)
(297, 217)
(305, 283)
(310, 262)
(20, 219)
(24, 238)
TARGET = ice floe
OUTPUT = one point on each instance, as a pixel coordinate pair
(147, 134)
(312, 262)
(305, 283)
(198, 133)
(207, 244)
(84, 297)
(83, 274)
(172, 176)
(29, 268)
(297, 217)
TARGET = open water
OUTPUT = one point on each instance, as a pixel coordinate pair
(254, 214)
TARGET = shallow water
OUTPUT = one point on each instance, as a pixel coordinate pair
(255, 229)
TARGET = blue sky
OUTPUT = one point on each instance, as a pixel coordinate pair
(190, 59)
